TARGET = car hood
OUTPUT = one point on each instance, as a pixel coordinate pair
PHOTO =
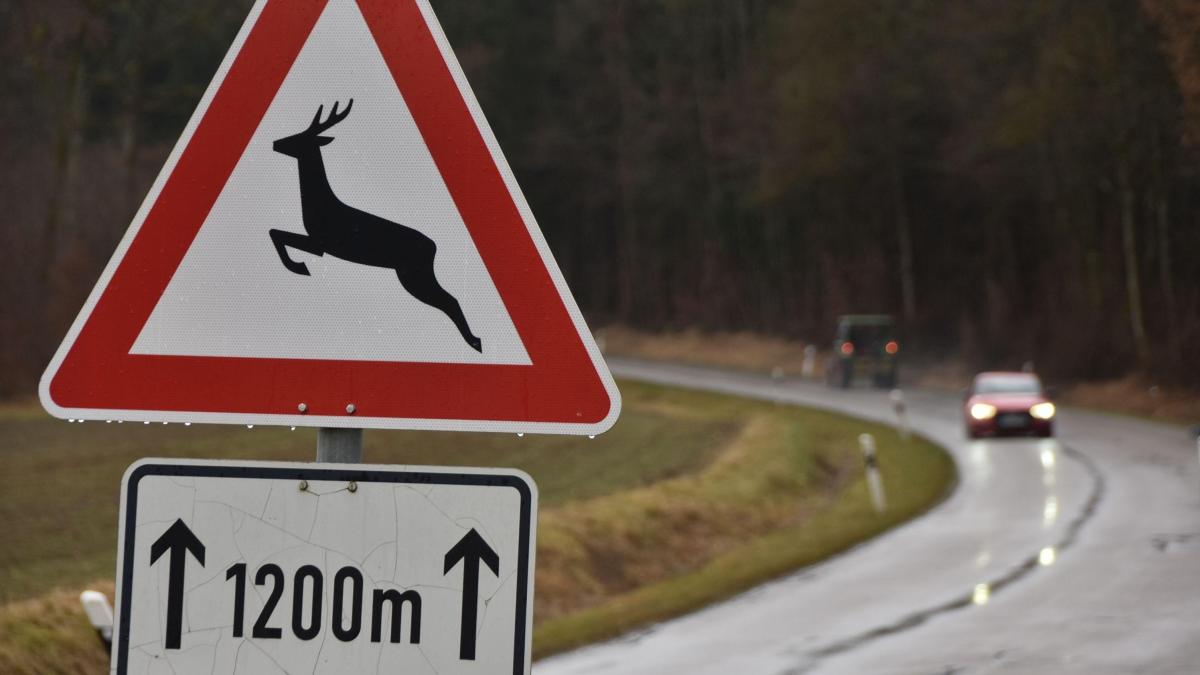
(1008, 401)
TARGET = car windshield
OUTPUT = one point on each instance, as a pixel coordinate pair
(1008, 384)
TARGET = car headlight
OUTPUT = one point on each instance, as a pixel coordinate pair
(1042, 411)
(983, 411)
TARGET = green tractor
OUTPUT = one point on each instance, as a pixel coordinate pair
(865, 344)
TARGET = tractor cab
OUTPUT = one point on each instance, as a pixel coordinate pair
(864, 344)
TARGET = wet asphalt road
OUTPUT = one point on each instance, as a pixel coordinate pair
(1074, 555)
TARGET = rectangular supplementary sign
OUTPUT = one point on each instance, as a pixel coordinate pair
(267, 568)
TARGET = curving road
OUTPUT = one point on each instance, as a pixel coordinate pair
(1076, 555)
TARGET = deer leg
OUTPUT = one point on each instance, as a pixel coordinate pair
(423, 285)
(284, 240)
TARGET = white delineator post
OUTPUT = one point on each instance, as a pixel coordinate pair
(1196, 433)
(901, 409)
(809, 366)
(874, 481)
(99, 614)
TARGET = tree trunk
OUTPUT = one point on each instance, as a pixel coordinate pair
(908, 288)
(67, 139)
(130, 139)
(1129, 247)
(627, 245)
(1161, 207)
(1164, 258)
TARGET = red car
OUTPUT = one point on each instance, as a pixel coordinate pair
(1008, 403)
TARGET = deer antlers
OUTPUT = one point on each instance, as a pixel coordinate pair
(318, 126)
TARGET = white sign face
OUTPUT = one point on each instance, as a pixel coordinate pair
(379, 163)
(272, 568)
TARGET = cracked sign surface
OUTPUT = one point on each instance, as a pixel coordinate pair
(265, 568)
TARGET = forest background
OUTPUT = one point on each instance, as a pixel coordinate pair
(1013, 180)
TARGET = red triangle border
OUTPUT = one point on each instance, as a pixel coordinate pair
(567, 387)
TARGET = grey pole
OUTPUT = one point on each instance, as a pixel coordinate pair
(339, 445)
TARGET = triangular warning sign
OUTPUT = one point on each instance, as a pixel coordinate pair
(336, 240)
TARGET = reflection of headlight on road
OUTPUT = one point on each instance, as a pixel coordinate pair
(1046, 557)
(1042, 411)
(1050, 512)
(981, 594)
(1047, 459)
(983, 411)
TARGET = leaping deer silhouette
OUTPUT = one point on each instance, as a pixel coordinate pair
(345, 232)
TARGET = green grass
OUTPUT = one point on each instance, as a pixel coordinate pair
(50, 635)
(787, 493)
(690, 498)
(917, 475)
(62, 480)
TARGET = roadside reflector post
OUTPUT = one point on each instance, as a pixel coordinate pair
(897, 397)
(874, 481)
(340, 446)
(1196, 434)
(100, 615)
(808, 367)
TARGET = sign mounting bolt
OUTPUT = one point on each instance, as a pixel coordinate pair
(303, 407)
(350, 408)
(304, 486)
(353, 486)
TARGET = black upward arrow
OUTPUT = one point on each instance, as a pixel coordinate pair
(471, 549)
(179, 540)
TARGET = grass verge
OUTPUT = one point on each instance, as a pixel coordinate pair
(60, 503)
(689, 499)
(763, 516)
(50, 635)
(734, 351)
